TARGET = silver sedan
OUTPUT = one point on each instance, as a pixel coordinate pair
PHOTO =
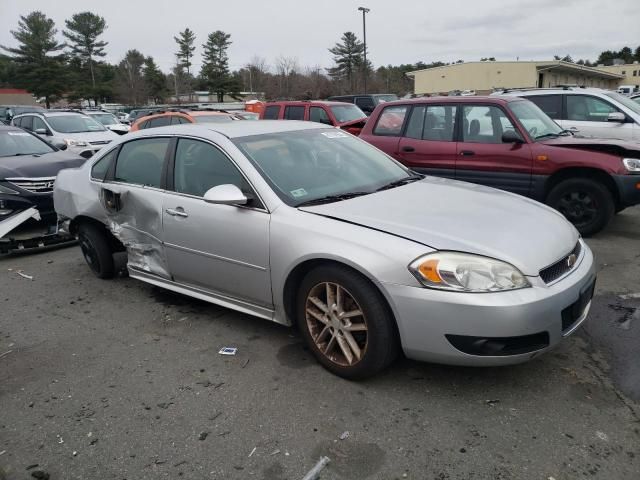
(306, 225)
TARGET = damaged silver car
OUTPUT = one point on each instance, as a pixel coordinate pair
(28, 168)
(298, 223)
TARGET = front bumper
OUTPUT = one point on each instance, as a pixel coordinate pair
(530, 320)
(628, 188)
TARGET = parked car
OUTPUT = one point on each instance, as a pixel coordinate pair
(296, 222)
(7, 112)
(28, 167)
(80, 133)
(509, 143)
(137, 113)
(635, 98)
(162, 118)
(338, 114)
(366, 102)
(589, 112)
(109, 120)
(247, 115)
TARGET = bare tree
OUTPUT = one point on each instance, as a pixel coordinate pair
(286, 67)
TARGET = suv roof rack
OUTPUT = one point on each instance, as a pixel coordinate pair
(525, 89)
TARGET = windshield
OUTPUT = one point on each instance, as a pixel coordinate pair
(212, 118)
(21, 143)
(307, 165)
(385, 98)
(74, 124)
(626, 101)
(534, 120)
(105, 118)
(347, 113)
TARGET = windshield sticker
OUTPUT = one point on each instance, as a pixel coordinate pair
(336, 134)
(300, 192)
(18, 134)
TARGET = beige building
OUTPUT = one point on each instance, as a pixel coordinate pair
(485, 77)
(630, 72)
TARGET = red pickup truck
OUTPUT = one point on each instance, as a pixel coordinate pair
(509, 143)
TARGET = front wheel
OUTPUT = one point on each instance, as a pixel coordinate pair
(586, 203)
(96, 250)
(346, 322)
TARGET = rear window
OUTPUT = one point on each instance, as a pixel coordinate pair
(272, 112)
(213, 118)
(159, 122)
(294, 113)
(549, 104)
(390, 121)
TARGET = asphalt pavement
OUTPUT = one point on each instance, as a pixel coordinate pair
(122, 380)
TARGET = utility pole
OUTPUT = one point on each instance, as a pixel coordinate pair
(364, 11)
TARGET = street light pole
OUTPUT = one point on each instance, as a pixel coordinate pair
(364, 37)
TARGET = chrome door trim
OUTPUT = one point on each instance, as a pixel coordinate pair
(217, 257)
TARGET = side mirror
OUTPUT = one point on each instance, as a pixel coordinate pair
(617, 117)
(511, 136)
(40, 131)
(225, 195)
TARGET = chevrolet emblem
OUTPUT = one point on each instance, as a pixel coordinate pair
(571, 260)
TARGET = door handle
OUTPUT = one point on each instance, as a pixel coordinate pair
(178, 212)
(467, 153)
(573, 129)
(408, 149)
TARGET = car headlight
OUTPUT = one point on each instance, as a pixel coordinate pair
(8, 190)
(632, 164)
(464, 272)
(75, 143)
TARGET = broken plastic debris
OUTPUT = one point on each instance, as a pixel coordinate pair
(314, 473)
(228, 351)
(5, 353)
(253, 451)
(629, 296)
(24, 275)
(275, 452)
(344, 435)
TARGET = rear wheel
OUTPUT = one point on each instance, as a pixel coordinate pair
(96, 250)
(346, 322)
(586, 203)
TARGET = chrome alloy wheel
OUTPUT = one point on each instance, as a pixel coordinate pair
(336, 323)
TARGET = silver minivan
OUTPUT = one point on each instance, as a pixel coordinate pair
(589, 112)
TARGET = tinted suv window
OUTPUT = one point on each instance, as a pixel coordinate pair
(159, 122)
(366, 104)
(272, 112)
(27, 122)
(390, 121)
(318, 114)
(588, 109)
(484, 124)
(432, 122)
(200, 166)
(38, 123)
(101, 167)
(549, 104)
(294, 113)
(140, 162)
(416, 123)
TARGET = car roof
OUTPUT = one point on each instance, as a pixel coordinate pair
(455, 99)
(199, 113)
(555, 91)
(307, 102)
(233, 129)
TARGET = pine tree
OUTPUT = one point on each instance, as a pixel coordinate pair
(186, 47)
(83, 30)
(130, 79)
(154, 80)
(215, 67)
(348, 57)
(38, 69)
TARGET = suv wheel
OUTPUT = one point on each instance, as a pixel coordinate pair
(586, 203)
(96, 250)
(346, 322)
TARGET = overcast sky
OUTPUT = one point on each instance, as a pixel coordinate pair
(398, 31)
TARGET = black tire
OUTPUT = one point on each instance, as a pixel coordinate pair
(379, 343)
(96, 250)
(586, 203)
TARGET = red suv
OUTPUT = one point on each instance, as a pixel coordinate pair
(509, 143)
(346, 116)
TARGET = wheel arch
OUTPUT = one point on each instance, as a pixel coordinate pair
(583, 172)
(74, 227)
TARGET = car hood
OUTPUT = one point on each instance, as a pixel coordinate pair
(451, 215)
(353, 123)
(30, 166)
(605, 145)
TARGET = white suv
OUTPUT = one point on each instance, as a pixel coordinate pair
(589, 112)
(80, 133)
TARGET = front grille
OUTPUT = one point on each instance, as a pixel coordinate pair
(562, 266)
(100, 142)
(34, 185)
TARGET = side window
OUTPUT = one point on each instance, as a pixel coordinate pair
(318, 114)
(140, 162)
(484, 124)
(390, 121)
(294, 113)
(439, 123)
(366, 104)
(176, 120)
(101, 167)
(38, 123)
(159, 122)
(588, 109)
(17, 122)
(549, 104)
(27, 122)
(200, 166)
(272, 112)
(143, 125)
(416, 123)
